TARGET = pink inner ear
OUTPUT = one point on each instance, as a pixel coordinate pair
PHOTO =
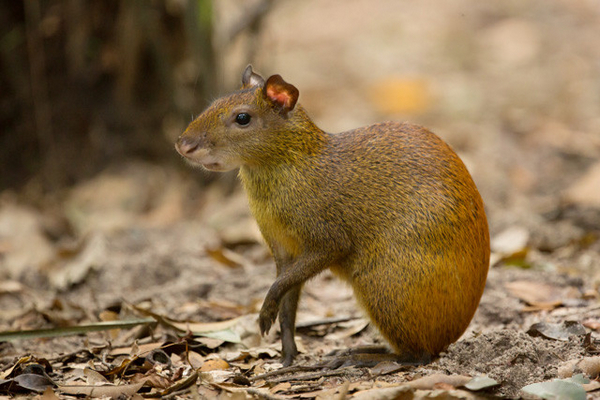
(282, 98)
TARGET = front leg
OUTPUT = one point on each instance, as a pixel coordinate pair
(287, 322)
(291, 276)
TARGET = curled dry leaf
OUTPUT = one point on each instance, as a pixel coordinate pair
(593, 324)
(481, 382)
(113, 391)
(429, 382)
(216, 376)
(557, 331)
(74, 270)
(214, 364)
(49, 395)
(590, 366)
(584, 192)
(353, 327)
(226, 257)
(540, 295)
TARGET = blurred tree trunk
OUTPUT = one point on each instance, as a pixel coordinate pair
(88, 82)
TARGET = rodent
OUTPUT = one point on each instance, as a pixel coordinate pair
(389, 208)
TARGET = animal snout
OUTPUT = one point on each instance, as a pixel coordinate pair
(187, 144)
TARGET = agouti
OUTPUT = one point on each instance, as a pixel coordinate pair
(389, 208)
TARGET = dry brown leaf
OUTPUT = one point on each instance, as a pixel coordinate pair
(226, 257)
(94, 377)
(584, 192)
(65, 273)
(216, 376)
(592, 386)
(9, 286)
(281, 387)
(214, 364)
(136, 349)
(593, 324)
(537, 294)
(113, 391)
(195, 360)
(386, 367)
(201, 327)
(397, 392)
(49, 395)
(429, 382)
(590, 366)
(154, 380)
(25, 245)
(355, 326)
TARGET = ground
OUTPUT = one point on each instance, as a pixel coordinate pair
(512, 87)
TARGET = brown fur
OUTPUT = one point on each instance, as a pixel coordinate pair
(390, 208)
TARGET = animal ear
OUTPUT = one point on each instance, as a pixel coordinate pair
(251, 78)
(280, 93)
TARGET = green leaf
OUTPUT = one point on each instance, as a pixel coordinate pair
(556, 390)
(481, 382)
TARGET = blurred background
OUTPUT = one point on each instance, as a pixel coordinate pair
(94, 93)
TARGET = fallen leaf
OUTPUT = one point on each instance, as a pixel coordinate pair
(593, 324)
(557, 389)
(386, 367)
(281, 387)
(214, 364)
(9, 286)
(113, 391)
(34, 382)
(592, 386)
(557, 331)
(74, 270)
(226, 256)
(539, 295)
(355, 327)
(428, 382)
(94, 377)
(584, 192)
(216, 376)
(195, 360)
(24, 244)
(49, 395)
(481, 382)
(202, 327)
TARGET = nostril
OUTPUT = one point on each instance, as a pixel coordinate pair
(187, 144)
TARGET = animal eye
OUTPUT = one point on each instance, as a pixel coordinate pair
(242, 119)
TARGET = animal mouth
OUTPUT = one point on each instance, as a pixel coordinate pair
(212, 166)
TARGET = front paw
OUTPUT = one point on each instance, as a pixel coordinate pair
(267, 316)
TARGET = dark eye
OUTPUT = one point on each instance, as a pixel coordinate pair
(242, 119)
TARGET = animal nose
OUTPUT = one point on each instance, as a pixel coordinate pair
(187, 144)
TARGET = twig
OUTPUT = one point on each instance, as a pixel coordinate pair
(310, 377)
(326, 321)
(285, 370)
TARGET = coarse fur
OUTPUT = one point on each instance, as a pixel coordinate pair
(389, 208)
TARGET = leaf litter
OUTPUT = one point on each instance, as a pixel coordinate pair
(142, 240)
(153, 328)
